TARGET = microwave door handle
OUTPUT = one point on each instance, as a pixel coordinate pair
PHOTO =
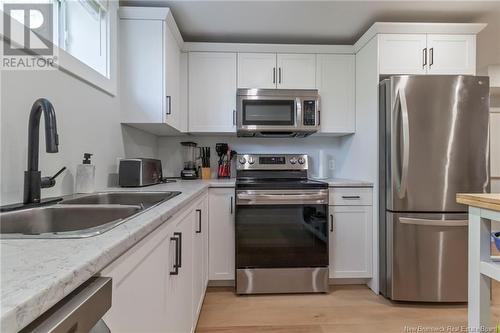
(298, 112)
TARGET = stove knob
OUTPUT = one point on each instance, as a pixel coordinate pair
(242, 160)
(302, 160)
(251, 160)
(293, 160)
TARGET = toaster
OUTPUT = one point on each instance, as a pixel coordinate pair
(135, 172)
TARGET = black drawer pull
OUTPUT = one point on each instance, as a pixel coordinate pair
(179, 235)
(352, 197)
(199, 221)
(176, 264)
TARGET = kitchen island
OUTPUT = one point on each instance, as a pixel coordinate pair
(483, 208)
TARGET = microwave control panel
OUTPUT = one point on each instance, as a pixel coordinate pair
(309, 112)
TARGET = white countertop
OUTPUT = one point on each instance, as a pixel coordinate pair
(37, 273)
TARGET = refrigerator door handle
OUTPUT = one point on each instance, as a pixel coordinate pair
(406, 144)
(434, 223)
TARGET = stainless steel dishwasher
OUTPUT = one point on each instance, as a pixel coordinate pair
(79, 312)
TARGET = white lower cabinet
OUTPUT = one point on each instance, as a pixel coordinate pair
(221, 234)
(200, 254)
(180, 280)
(350, 240)
(139, 285)
(159, 284)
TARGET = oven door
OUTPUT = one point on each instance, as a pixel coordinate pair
(281, 228)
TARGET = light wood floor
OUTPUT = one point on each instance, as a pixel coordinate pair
(345, 309)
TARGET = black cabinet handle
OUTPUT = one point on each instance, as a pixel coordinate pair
(424, 57)
(331, 222)
(231, 205)
(199, 221)
(351, 197)
(179, 235)
(176, 264)
(274, 75)
(431, 53)
(169, 105)
(279, 74)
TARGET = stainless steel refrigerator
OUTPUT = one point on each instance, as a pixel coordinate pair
(434, 143)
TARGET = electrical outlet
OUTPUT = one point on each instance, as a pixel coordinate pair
(331, 164)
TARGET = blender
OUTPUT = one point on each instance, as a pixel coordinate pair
(190, 170)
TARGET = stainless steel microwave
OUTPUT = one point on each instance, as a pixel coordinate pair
(277, 112)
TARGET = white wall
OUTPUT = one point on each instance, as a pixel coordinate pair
(488, 41)
(170, 149)
(87, 119)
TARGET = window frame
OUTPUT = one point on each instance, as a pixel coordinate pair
(73, 66)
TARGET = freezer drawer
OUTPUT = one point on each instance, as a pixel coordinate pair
(427, 258)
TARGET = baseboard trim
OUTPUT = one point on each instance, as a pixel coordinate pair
(340, 281)
(221, 283)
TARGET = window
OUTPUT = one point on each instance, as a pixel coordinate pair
(83, 32)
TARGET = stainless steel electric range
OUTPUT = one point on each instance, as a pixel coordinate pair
(281, 226)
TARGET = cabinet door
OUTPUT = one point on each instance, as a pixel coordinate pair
(173, 113)
(335, 82)
(402, 54)
(200, 255)
(179, 313)
(495, 144)
(257, 70)
(221, 234)
(296, 71)
(350, 241)
(142, 90)
(452, 54)
(212, 92)
(139, 285)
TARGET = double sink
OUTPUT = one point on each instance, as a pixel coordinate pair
(79, 216)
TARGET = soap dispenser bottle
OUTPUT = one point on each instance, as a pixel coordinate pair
(85, 175)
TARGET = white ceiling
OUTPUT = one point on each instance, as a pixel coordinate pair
(307, 22)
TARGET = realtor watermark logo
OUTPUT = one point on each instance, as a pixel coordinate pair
(27, 37)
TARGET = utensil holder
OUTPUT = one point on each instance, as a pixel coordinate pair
(205, 173)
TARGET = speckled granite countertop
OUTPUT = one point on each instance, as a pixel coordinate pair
(37, 273)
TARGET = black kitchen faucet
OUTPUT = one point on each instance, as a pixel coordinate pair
(33, 181)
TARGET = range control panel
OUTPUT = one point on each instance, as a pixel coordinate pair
(272, 162)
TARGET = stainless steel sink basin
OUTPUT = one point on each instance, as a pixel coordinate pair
(145, 199)
(64, 221)
(79, 216)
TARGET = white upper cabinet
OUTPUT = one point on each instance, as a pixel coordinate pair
(173, 112)
(282, 70)
(335, 75)
(257, 70)
(427, 54)
(402, 54)
(451, 54)
(212, 92)
(150, 70)
(296, 71)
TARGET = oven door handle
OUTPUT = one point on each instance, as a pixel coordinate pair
(281, 198)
